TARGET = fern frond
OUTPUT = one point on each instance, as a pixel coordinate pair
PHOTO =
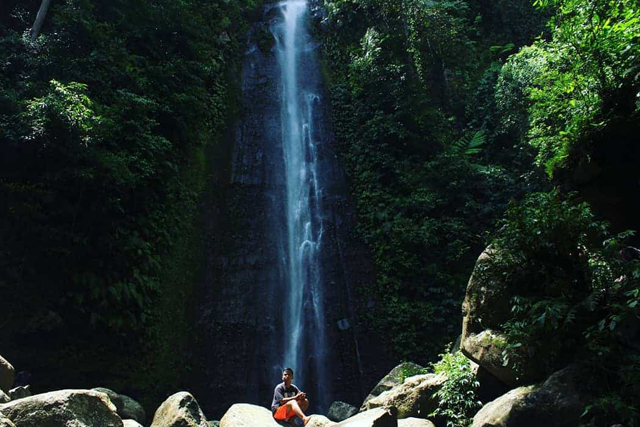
(469, 144)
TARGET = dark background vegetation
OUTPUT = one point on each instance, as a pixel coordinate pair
(459, 123)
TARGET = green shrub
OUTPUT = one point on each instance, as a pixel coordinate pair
(457, 399)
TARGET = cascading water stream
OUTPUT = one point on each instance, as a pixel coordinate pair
(281, 258)
(304, 324)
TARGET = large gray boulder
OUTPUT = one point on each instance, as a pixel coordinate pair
(6, 422)
(554, 403)
(179, 410)
(396, 376)
(378, 417)
(486, 306)
(415, 422)
(7, 375)
(412, 398)
(64, 408)
(247, 415)
(340, 411)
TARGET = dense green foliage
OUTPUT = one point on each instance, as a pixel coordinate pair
(104, 120)
(444, 111)
(576, 292)
(580, 81)
(446, 115)
(421, 152)
(457, 398)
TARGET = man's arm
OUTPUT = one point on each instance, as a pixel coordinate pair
(298, 396)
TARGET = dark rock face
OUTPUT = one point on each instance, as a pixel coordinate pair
(240, 306)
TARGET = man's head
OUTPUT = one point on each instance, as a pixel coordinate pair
(287, 375)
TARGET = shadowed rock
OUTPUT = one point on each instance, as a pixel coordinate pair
(340, 411)
(7, 375)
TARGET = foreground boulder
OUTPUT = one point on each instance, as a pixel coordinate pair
(412, 398)
(247, 415)
(555, 403)
(415, 422)
(64, 408)
(340, 411)
(378, 417)
(7, 375)
(392, 379)
(179, 410)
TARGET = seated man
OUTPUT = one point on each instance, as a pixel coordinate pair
(288, 401)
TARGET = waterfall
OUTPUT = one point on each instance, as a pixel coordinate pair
(305, 347)
(281, 259)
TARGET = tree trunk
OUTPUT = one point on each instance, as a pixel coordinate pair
(35, 31)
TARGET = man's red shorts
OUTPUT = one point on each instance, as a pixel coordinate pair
(283, 413)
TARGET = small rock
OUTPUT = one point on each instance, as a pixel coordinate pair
(20, 392)
(340, 411)
(179, 410)
(7, 375)
(4, 398)
(213, 423)
(131, 423)
(378, 417)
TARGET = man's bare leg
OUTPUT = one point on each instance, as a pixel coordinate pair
(297, 408)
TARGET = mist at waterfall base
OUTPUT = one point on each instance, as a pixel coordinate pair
(281, 256)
